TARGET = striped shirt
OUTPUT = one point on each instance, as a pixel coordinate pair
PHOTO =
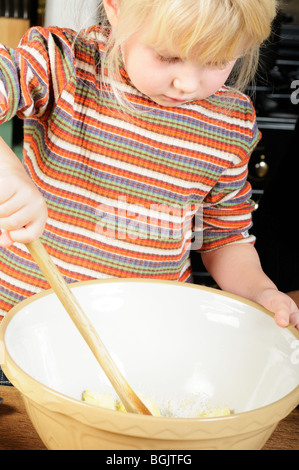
(128, 193)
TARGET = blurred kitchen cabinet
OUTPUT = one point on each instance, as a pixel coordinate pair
(12, 30)
(11, 133)
(16, 17)
(6, 132)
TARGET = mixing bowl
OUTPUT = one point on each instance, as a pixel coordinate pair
(175, 343)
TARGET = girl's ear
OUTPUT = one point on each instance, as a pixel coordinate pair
(111, 8)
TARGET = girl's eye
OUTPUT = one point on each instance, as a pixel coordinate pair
(169, 60)
(224, 65)
(221, 66)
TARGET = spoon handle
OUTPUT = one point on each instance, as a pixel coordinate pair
(129, 398)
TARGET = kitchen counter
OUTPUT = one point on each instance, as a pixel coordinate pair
(17, 432)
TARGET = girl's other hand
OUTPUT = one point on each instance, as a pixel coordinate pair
(283, 306)
(23, 211)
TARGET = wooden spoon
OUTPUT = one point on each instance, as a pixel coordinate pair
(129, 398)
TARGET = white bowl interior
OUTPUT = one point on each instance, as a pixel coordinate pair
(172, 342)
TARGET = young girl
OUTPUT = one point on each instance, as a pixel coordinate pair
(130, 135)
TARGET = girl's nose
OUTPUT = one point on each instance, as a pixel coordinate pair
(187, 81)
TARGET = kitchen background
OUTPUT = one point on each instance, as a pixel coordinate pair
(274, 164)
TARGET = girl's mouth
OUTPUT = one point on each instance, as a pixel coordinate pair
(175, 100)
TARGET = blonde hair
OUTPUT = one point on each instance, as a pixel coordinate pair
(209, 31)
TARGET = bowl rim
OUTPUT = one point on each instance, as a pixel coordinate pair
(287, 403)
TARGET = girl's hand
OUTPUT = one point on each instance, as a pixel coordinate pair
(236, 268)
(285, 309)
(23, 211)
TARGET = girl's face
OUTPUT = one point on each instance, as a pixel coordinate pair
(167, 79)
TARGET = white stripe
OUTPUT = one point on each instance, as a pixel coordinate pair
(118, 243)
(162, 138)
(126, 167)
(22, 285)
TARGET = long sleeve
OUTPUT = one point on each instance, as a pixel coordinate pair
(227, 208)
(33, 75)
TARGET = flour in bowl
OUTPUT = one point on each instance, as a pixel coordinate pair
(192, 407)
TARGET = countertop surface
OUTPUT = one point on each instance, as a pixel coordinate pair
(17, 432)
